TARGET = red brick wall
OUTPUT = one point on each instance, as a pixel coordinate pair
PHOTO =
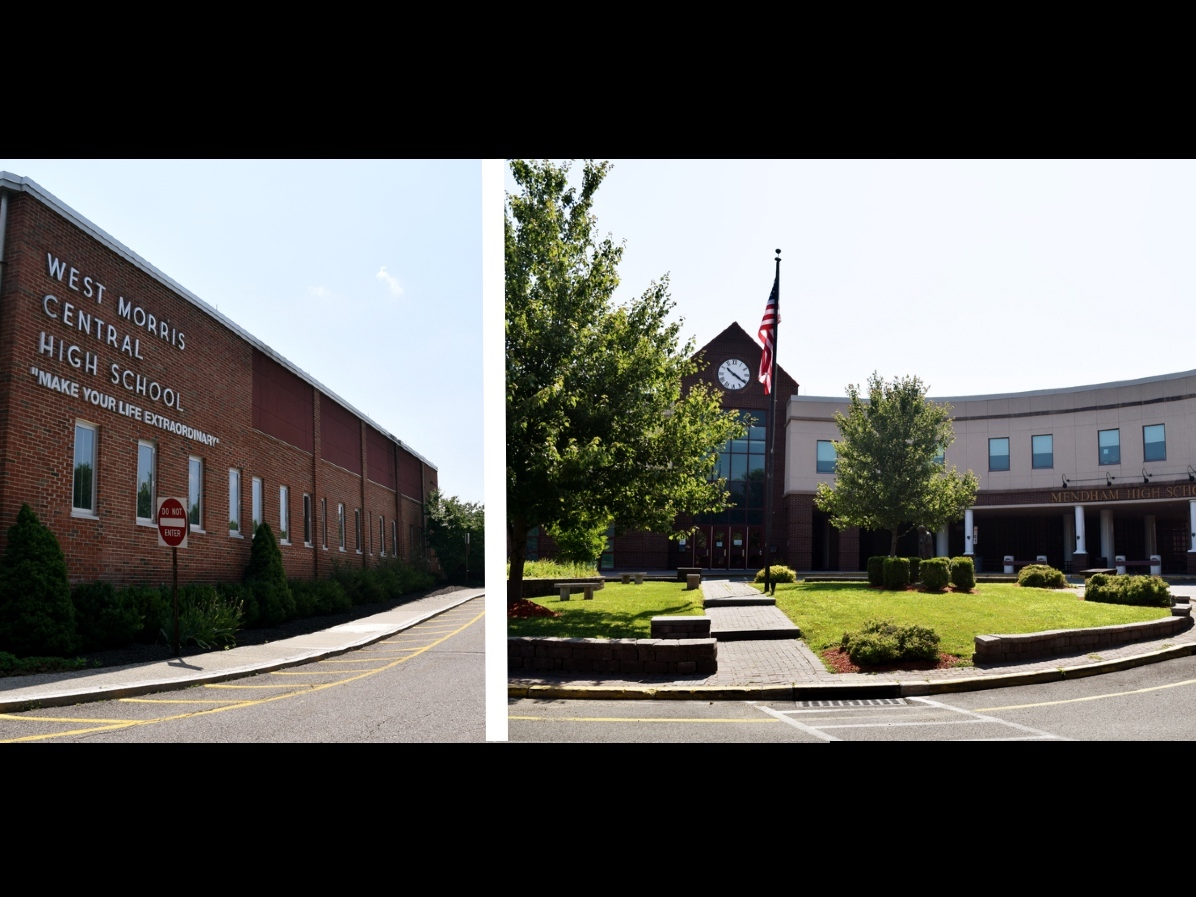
(211, 368)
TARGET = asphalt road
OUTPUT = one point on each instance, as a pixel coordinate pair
(424, 684)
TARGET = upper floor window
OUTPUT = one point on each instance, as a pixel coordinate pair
(83, 492)
(1154, 443)
(1043, 450)
(826, 456)
(998, 453)
(1110, 446)
(256, 501)
(145, 481)
(234, 501)
(195, 492)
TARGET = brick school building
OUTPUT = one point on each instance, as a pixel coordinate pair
(118, 386)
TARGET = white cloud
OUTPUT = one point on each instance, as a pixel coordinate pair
(395, 289)
(320, 292)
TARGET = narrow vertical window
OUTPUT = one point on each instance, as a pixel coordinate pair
(306, 519)
(340, 525)
(357, 529)
(83, 493)
(394, 538)
(256, 507)
(324, 521)
(284, 514)
(145, 481)
(234, 501)
(381, 535)
(195, 492)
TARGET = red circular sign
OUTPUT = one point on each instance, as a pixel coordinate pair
(172, 522)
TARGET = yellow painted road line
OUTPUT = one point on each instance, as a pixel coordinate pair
(251, 702)
(1113, 694)
(631, 719)
(62, 719)
(222, 685)
(181, 701)
(306, 673)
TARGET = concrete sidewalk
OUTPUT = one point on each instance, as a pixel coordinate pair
(785, 668)
(62, 689)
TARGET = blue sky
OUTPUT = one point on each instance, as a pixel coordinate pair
(364, 274)
(978, 276)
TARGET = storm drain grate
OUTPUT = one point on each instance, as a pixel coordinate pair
(862, 702)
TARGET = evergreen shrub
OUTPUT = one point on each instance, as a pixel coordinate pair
(104, 617)
(876, 570)
(779, 574)
(36, 613)
(882, 641)
(1142, 591)
(963, 574)
(267, 580)
(1040, 576)
(936, 573)
(914, 568)
(896, 573)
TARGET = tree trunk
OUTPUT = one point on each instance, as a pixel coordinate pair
(517, 531)
(893, 544)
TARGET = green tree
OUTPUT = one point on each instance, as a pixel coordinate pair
(449, 520)
(598, 427)
(36, 613)
(267, 580)
(886, 475)
(581, 543)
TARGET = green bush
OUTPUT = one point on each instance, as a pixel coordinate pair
(267, 580)
(896, 573)
(104, 617)
(779, 574)
(36, 614)
(882, 641)
(936, 573)
(1142, 591)
(963, 574)
(1040, 576)
(914, 568)
(205, 618)
(876, 570)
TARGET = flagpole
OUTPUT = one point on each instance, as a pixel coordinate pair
(769, 457)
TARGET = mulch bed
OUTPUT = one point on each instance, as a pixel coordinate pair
(522, 609)
(839, 662)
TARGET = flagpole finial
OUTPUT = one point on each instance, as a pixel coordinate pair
(778, 255)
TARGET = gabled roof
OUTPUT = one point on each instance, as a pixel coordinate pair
(735, 338)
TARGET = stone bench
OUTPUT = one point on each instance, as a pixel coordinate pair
(627, 577)
(587, 587)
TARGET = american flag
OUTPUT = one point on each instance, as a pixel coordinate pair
(768, 334)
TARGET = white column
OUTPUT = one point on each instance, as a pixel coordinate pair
(1081, 546)
(1106, 534)
(968, 527)
(1192, 525)
(944, 546)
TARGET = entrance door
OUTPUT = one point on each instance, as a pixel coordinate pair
(719, 548)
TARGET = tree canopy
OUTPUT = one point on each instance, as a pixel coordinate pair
(598, 429)
(887, 475)
(449, 520)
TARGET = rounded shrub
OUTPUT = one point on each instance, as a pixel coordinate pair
(36, 613)
(876, 570)
(882, 641)
(936, 573)
(779, 574)
(104, 617)
(963, 574)
(1143, 591)
(896, 573)
(1040, 576)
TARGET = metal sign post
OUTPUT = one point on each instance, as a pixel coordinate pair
(173, 527)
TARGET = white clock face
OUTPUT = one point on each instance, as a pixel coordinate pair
(734, 374)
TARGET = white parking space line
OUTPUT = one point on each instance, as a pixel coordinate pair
(1036, 733)
(785, 718)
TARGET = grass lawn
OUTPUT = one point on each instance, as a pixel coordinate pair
(824, 611)
(617, 611)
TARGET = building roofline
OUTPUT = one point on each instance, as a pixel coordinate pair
(1113, 384)
(18, 184)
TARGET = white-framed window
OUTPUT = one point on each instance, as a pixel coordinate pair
(324, 521)
(83, 489)
(381, 536)
(146, 476)
(195, 492)
(394, 537)
(357, 529)
(340, 524)
(256, 503)
(234, 502)
(307, 520)
(284, 514)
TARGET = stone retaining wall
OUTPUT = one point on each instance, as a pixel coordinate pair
(676, 657)
(1027, 646)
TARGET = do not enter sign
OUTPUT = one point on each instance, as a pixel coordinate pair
(173, 524)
